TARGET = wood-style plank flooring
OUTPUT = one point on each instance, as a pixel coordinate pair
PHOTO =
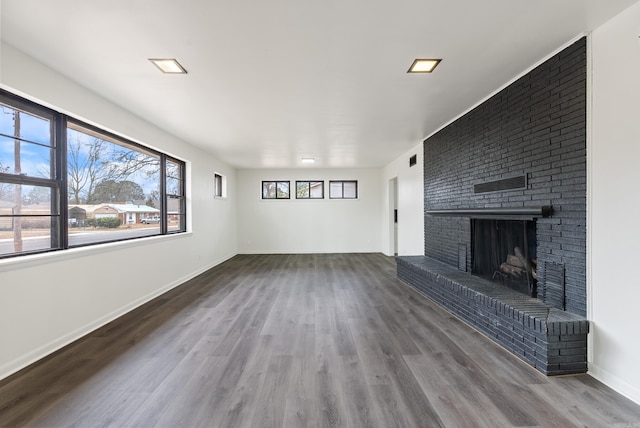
(331, 340)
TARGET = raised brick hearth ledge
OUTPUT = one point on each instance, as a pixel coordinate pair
(552, 341)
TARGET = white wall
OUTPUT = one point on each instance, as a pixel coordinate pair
(51, 299)
(614, 174)
(308, 226)
(410, 197)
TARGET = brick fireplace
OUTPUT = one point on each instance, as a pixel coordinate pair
(515, 163)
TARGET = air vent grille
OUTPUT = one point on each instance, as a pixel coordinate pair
(512, 183)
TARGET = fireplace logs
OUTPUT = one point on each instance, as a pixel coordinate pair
(517, 265)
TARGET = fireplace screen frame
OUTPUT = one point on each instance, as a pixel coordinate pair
(505, 251)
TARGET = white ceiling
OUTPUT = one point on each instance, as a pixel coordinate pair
(272, 81)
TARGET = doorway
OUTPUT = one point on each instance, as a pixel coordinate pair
(393, 216)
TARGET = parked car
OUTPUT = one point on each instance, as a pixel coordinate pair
(150, 220)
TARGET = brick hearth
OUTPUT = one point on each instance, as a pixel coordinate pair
(552, 341)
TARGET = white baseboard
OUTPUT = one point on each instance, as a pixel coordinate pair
(37, 354)
(258, 252)
(621, 386)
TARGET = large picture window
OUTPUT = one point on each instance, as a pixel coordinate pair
(113, 187)
(64, 183)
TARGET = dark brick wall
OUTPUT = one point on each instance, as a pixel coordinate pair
(535, 127)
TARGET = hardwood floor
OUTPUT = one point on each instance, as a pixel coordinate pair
(298, 341)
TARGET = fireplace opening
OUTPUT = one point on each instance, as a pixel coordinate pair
(504, 251)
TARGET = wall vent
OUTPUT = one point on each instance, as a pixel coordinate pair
(513, 183)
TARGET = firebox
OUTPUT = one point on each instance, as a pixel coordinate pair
(504, 251)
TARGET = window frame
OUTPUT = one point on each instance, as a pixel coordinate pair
(342, 182)
(165, 196)
(309, 183)
(58, 224)
(276, 182)
(58, 181)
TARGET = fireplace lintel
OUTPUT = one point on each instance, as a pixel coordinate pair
(505, 213)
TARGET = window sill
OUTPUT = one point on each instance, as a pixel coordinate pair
(19, 262)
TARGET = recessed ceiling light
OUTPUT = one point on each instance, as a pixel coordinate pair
(424, 65)
(168, 65)
(308, 160)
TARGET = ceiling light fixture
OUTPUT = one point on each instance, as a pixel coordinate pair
(168, 65)
(308, 160)
(423, 65)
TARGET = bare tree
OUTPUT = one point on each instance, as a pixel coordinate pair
(85, 170)
(125, 162)
(38, 195)
(5, 191)
(100, 161)
(153, 199)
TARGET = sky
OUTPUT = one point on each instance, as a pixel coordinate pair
(36, 151)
